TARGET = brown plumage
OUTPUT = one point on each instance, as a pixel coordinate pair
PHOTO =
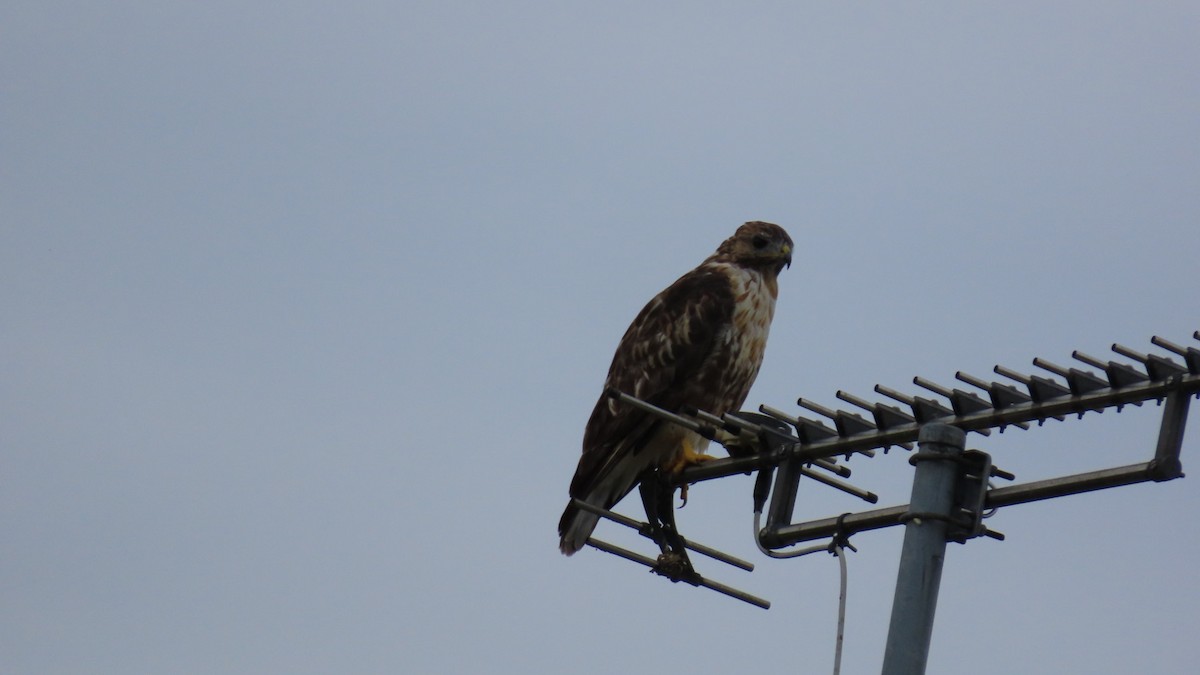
(697, 344)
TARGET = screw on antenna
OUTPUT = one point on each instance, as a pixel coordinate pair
(1157, 367)
(1119, 374)
(1040, 388)
(1002, 395)
(925, 410)
(847, 424)
(1080, 381)
(1190, 355)
(886, 416)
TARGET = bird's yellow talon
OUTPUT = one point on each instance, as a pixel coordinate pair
(686, 457)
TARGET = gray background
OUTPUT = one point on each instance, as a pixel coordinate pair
(305, 306)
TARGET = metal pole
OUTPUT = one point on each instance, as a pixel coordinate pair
(1166, 465)
(934, 480)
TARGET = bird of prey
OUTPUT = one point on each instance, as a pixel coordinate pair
(697, 345)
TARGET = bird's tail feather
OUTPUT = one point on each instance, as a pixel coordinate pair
(576, 525)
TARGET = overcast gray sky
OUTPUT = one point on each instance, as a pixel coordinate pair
(306, 304)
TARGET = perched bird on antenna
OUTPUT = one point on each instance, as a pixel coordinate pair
(696, 345)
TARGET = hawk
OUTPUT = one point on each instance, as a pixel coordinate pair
(696, 345)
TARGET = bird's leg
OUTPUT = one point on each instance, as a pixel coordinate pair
(657, 495)
(650, 488)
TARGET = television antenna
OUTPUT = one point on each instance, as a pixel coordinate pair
(952, 487)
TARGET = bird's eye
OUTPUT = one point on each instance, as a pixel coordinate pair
(759, 241)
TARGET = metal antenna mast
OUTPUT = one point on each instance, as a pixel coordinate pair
(951, 489)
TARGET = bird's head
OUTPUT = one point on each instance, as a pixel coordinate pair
(758, 244)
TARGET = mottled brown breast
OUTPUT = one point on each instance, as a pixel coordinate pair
(732, 367)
